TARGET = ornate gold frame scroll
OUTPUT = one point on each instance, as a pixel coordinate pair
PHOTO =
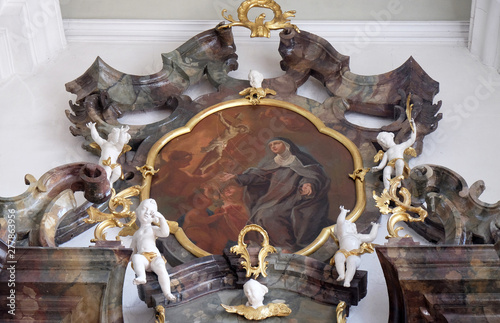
(241, 249)
(172, 137)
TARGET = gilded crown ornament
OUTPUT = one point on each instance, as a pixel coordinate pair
(258, 27)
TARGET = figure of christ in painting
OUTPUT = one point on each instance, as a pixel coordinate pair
(216, 147)
(286, 194)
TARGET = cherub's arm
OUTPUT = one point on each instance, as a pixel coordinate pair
(370, 236)
(339, 226)
(413, 136)
(95, 134)
(133, 245)
(163, 229)
(124, 135)
(381, 165)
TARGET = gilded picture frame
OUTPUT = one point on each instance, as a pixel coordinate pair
(200, 165)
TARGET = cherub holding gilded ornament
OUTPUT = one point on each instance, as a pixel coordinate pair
(392, 160)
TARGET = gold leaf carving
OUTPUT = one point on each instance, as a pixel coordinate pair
(399, 212)
(341, 312)
(254, 95)
(121, 216)
(359, 173)
(260, 313)
(241, 249)
(259, 28)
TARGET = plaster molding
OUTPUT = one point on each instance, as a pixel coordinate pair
(484, 41)
(31, 33)
(124, 30)
(6, 62)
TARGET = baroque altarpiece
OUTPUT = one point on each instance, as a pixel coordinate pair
(231, 216)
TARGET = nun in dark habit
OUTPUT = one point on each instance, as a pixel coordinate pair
(287, 195)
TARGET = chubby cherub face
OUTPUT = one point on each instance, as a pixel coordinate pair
(350, 227)
(146, 211)
(254, 291)
(256, 79)
(114, 135)
(386, 139)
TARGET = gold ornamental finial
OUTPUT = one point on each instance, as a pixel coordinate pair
(241, 249)
(258, 27)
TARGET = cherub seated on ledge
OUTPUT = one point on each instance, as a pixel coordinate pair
(146, 256)
(351, 245)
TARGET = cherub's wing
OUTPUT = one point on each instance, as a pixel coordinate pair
(378, 157)
(234, 309)
(125, 149)
(95, 146)
(410, 151)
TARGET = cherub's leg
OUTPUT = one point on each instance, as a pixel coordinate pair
(158, 266)
(386, 176)
(108, 171)
(352, 264)
(400, 166)
(116, 173)
(340, 265)
(140, 264)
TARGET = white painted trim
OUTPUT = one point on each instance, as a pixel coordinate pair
(32, 33)
(484, 39)
(119, 30)
(6, 63)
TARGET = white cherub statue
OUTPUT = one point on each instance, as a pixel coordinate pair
(351, 246)
(256, 78)
(256, 92)
(392, 161)
(255, 292)
(255, 309)
(111, 149)
(146, 256)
